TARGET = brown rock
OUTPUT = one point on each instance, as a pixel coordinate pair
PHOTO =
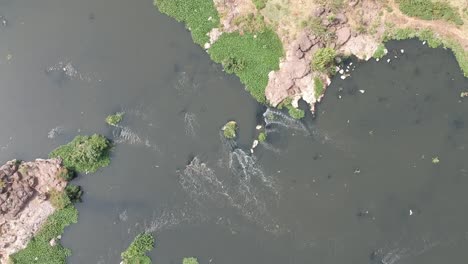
(342, 35)
(318, 12)
(341, 18)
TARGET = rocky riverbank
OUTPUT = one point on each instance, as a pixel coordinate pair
(25, 204)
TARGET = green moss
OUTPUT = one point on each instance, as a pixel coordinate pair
(262, 137)
(229, 130)
(190, 261)
(380, 52)
(199, 16)
(260, 4)
(430, 10)
(115, 119)
(433, 41)
(84, 153)
(136, 252)
(39, 250)
(323, 60)
(319, 88)
(258, 52)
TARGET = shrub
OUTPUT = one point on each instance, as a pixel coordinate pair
(136, 252)
(73, 193)
(296, 113)
(59, 199)
(199, 16)
(190, 261)
(260, 4)
(380, 51)
(430, 10)
(115, 119)
(84, 153)
(323, 60)
(262, 137)
(319, 88)
(38, 250)
(259, 53)
(229, 130)
(66, 174)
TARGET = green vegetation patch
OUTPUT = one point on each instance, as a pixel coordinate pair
(199, 16)
(84, 153)
(430, 10)
(251, 22)
(253, 55)
(136, 252)
(115, 119)
(190, 261)
(39, 249)
(262, 137)
(323, 60)
(260, 4)
(229, 130)
(319, 87)
(380, 52)
(433, 41)
(292, 111)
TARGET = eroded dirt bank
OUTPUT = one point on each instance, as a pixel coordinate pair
(25, 192)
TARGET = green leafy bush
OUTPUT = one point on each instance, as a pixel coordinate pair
(199, 16)
(74, 193)
(295, 112)
(430, 10)
(190, 261)
(115, 119)
(323, 60)
(84, 153)
(136, 252)
(233, 65)
(59, 199)
(380, 51)
(229, 130)
(319, 88)
(39, 250)
(259, 52)
(66, 174)
(260, 4)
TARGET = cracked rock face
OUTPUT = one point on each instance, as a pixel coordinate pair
(23, 201)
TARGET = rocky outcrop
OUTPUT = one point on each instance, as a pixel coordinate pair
(24, 204)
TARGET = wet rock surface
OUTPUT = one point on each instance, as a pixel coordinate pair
(24, 204)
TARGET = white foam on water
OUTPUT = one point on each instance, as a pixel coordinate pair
(191, 124)
(54, 132)
(273, 117)
(68, 69)
(170, 219)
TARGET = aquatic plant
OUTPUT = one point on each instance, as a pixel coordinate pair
(199, 16)
(40, 250)
(323, 60)
(84, 153)
(380, 51)
(136, 252)
(73, 193)
(229, 130)
(319, 88)
(66, 174)
(262, 137)
(430, 10)
(256, 54)
(115, 119)
(292, 111)
(190, 261)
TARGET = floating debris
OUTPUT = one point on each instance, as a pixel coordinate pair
(435, 160)
(258, 127)
(410, 212)
(362, 91)
(388, 60)
(464, 94)
(402, 51)
(3, 21)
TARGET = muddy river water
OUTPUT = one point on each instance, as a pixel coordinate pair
(357, 184)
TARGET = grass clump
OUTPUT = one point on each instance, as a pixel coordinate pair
(430, 10)
(250, 22)
(190, 261)
(229, 130)
(292, 111)
(433, 41)
(59, 199)
(73, 193)
(115, 119)
(84, 153)
(380, 52)
(136, 252)
(39, 250)
(323, 60)
(319, 87)
(260, 4)
(199, 16)
(254, 54)
(262, 137)
(66, 174)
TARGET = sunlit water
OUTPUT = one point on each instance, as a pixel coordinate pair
(354, 185)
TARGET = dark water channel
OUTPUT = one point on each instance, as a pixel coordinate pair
(355, 185)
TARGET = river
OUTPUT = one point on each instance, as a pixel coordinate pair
(355, 184)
